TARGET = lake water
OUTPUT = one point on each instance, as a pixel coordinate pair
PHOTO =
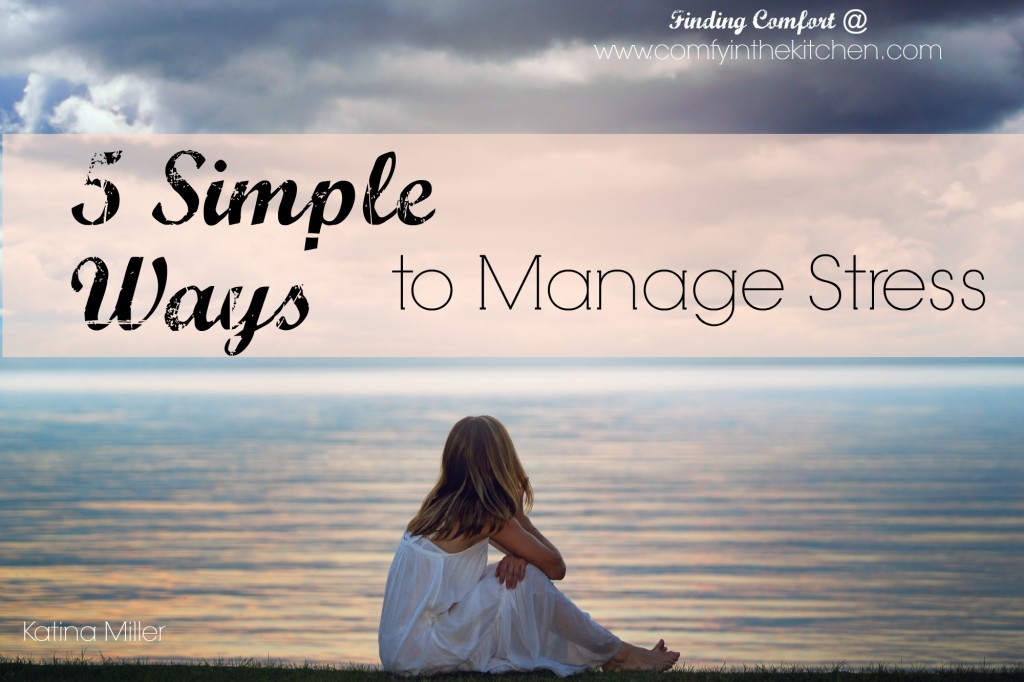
(747, 512)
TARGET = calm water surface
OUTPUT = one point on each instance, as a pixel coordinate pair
(746, 512)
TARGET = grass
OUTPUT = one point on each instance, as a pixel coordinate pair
(255, 670)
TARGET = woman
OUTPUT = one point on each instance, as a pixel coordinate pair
(446, 610)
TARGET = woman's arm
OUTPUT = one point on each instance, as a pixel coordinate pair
(532, 546)
(528, 526)
(520, 538)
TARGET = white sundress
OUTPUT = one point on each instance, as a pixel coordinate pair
(448, 612)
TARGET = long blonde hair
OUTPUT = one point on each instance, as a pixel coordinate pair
(480, 484)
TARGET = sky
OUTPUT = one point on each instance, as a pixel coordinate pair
(460, 66)
(471, 66)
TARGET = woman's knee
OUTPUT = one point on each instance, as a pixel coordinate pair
(536, 578)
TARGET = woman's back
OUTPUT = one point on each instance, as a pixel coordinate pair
(424, 581)
(458, 544)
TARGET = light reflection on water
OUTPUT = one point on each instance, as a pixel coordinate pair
(804, 514)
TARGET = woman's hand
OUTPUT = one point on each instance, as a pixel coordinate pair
(511, 569)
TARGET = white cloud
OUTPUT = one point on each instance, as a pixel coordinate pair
(956, 197)
(31, 107)
(1013, 124)
(122, 105)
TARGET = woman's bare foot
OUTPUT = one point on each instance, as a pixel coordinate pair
(630, 657)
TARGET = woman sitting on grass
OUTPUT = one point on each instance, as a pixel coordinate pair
(446, 610)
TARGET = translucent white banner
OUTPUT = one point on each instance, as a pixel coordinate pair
(513, 245)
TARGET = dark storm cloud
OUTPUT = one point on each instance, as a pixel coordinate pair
(188, 35)
(466, 66)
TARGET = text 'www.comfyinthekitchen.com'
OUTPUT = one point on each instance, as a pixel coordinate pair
(759, 50)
